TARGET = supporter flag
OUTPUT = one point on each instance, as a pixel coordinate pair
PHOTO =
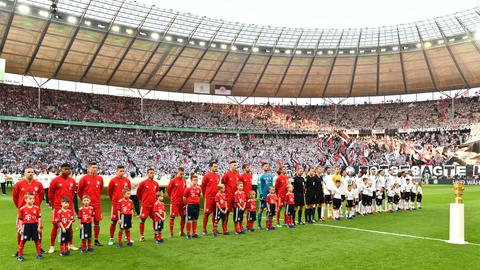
(201, 88)
(223, 89)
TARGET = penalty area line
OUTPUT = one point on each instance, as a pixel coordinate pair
(389, 233)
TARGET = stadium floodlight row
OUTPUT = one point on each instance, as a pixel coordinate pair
(128, 44)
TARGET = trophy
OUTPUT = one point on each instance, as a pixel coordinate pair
(458, 188)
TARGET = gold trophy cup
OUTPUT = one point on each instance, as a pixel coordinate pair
(458, 188)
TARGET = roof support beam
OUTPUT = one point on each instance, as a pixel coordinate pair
(101, 43)
(246, 60)
(402, 67)
(294, 52)
(194, 30)
(468, 33)
(158, 65)
(355, 64)
(266, 65)
(332, 65)
(201, 57)
(465, 82)
(72, 40)
(7, 27)
(134, 38)
(315, 52)
(225, 57)
(426, 59)
(39, 43)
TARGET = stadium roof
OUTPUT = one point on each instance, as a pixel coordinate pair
(128, 44)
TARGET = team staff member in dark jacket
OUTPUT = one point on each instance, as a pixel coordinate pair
(319, 199)
(310, 195)
(299, 193)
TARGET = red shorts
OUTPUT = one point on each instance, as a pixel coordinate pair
(281, 202)
(114, 213)
(177, 210)
(230, 203)
(209, 205)
(147, 211)
(98, 213)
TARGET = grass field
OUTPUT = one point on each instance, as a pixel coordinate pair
(309, 246)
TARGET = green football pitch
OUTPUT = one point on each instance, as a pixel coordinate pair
(404, 240)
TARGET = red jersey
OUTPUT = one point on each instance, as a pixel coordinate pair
(252, 205)
(272, 199)
(221, 200)
(159, 207)
(210, 183)
(147, 192)
(281, 186)
(290, 198)
(125, 206)
(92, 186)
(246, 179)
(86, 214)
(230, 180)
(115, 188)
(240, 199)
(176, 189)
(64, 217)
(192, 195)
(28, 214)
(23, 187)
(60, 187)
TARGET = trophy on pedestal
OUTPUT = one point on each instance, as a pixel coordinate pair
(457, 218)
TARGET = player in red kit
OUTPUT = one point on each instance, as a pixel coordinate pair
(210, 182)
(21, 188)
(272, 202)
(62, 186)
(246, 178)
(176, 189)
(115, 192)
(240, 201)
(289, 206)
(281, 190)
(159, 219)
(146, 193)
(230, 179)
(64, 217)
(124, 212)
(86, 216)
(221, 210)
(92, 185)
(30, 225)
(191, 198)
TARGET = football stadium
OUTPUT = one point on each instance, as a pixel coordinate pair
(134, 134)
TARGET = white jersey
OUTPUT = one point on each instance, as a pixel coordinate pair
(337, 193)
(412, 188)
(2, 178)
(390, 192)
(389, 181)
(356, 195)
(380, 182)
(350, 195)
(419, 190)
(44, 179)
(397, 191)
(373, 180)
(344, 184)
(255, 179)
(327, 185)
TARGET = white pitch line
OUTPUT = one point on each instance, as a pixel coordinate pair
(389, 233)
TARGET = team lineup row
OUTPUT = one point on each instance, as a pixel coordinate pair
(329, 195)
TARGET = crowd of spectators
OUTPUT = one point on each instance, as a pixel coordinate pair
(42, 145)
(22, 101)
